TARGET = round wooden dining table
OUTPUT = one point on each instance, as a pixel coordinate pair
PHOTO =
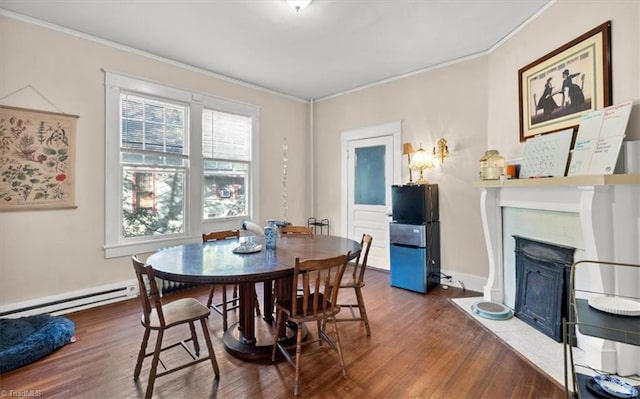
(215, 262)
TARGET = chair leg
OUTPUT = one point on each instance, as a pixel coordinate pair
(257, 305)
(298, 354)
(194, 338)
(212, 355)
(276, 333)
(154, 365)
(363, 310)
(339, 348)
(210, 300)
(224, 308)
(235, 295)
(143, 350)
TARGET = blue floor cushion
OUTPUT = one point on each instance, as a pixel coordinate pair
(27, 339)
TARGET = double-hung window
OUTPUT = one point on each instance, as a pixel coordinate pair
(154, 165)
(177, 164)
(226, 152)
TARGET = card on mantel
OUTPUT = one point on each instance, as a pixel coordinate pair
(614, 124)
(586, 140)
(599, 139)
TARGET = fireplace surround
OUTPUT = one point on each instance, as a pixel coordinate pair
(608, 208)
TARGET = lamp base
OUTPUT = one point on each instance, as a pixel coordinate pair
(421, 179)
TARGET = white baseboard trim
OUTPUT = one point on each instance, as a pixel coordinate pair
(469, 282)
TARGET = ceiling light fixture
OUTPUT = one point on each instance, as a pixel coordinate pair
(298, 4)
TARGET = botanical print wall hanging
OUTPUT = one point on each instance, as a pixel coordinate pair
(37, 159)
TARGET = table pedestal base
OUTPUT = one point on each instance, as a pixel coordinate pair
(233, 340)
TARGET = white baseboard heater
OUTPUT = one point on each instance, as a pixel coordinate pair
(84, 299)
(72, 301)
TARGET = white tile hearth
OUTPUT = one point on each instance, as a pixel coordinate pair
(538, 348)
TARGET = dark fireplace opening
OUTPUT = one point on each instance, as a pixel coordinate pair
(543, 271)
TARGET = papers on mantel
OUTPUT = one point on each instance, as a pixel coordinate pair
(599, 140)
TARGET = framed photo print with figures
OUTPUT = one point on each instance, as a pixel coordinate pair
(557, 89)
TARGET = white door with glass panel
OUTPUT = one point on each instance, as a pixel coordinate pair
(370, 174)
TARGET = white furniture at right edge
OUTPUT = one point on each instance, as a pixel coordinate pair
(611, 312)
(608, 207)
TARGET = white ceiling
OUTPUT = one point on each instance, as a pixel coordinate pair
(330, 47)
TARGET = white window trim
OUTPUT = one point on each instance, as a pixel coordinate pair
(115, 245)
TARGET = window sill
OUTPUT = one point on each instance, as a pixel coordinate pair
(129, 249)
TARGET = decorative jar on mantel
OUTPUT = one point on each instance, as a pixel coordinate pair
(491, 165)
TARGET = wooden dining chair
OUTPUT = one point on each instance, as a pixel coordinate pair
(320, 282)
(296, 230)
(160, 317)
(226, 305)
(355, 280)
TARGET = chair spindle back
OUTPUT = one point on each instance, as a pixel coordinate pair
(319, 281)
(361, 261)
(296, 230)
(150, 296)
(220, 235)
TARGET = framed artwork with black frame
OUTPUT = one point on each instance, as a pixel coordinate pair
(557, 89)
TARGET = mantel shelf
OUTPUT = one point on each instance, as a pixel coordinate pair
(586, 180)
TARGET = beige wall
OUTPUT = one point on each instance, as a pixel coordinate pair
(448, 102)
(43, 253)
(474, 105)
(561, 23)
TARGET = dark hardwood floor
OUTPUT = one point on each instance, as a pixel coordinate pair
(422, 346)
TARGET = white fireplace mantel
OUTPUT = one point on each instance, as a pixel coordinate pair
(608, 207)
